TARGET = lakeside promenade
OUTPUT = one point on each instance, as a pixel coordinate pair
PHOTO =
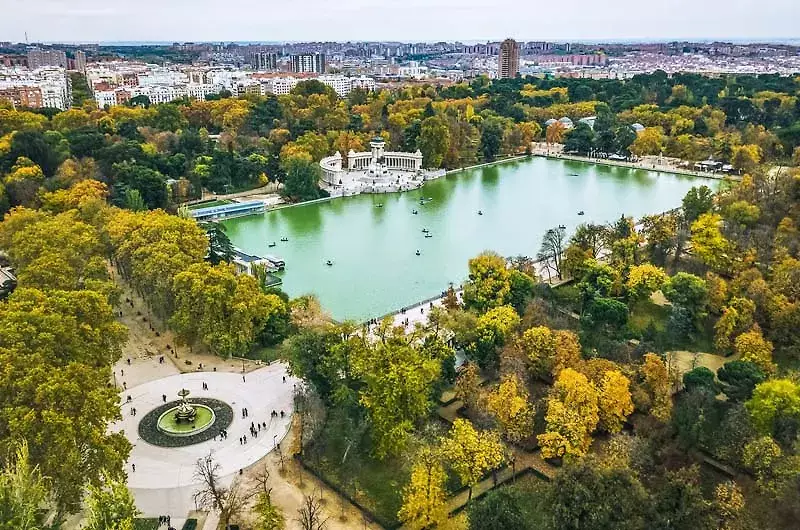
(647, 163)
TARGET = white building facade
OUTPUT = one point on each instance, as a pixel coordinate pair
(374, 171)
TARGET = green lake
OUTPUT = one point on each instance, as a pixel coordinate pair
(373, 249)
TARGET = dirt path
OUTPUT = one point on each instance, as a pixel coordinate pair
(290, 485)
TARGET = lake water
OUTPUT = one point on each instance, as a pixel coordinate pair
(373, 249)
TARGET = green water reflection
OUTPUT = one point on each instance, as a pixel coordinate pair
(376, 269)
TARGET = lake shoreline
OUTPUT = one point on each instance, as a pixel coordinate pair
(505, 207)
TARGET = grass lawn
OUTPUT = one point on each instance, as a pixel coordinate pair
(267, 354)
(141, 523)
(646, 313)
(375, 484)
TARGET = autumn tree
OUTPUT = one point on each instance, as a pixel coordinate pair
(753, 347)
(56, 348)
(424, 497)
(648, 142)
(656, 384)
(509, 405)
(614, 401)
(572, 416)
(471, 453)
(468, 382)
(549, 351)
(709, 244)
(488, 284)
(397, 395)
(222, 310)
(746, 157)
(643, 281)
(737, 317)
(492, 330)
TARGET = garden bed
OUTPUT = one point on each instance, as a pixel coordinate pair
(150, 433)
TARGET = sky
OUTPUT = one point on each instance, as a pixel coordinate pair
(400, 20)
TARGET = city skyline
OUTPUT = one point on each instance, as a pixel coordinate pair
(411, 20)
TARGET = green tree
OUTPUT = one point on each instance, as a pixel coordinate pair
(220, 248)
(398, 395)
(501, 509)
(110, 507)
(579, 140)
(589, 496)
(688, 291)
(23, 492)
(775, 409)
(433, 141)
(491, 139)
(739, 379)
(698, 200)
(302, 179)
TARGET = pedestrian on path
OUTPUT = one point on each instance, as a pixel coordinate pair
(133, 467)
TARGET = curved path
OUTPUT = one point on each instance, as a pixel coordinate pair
(164, 481)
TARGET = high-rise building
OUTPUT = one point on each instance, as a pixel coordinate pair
(308, 63)
(264, 60)
(80, 61)
(508, 59)
(38, 58)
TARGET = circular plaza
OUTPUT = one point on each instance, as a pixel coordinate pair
(237, 418)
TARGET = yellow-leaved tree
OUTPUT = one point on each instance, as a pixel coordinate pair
(472, 453)
(572, 416)
(656, 384)
(615, 401)
(754, 348)
(424, 497)
(509, 405)
(549, 351)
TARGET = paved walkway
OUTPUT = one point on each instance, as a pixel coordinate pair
(164, 481)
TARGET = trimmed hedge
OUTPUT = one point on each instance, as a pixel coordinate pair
(149, 432)
(145, 523)
(190, 524)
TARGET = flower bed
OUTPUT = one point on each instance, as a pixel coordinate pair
(150, 433)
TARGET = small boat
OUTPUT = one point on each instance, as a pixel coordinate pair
(379, 205)
(580, 213)
(414, 212)
(418, 253)
(428, 235)
(480, 212)
(272, 244)
(284, 239)
(562, 227)
(574, 175)
(329, 263)
(425, 230)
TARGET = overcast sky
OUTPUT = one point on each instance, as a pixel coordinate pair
(404, 20)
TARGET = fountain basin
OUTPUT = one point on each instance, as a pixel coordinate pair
(172, 423)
